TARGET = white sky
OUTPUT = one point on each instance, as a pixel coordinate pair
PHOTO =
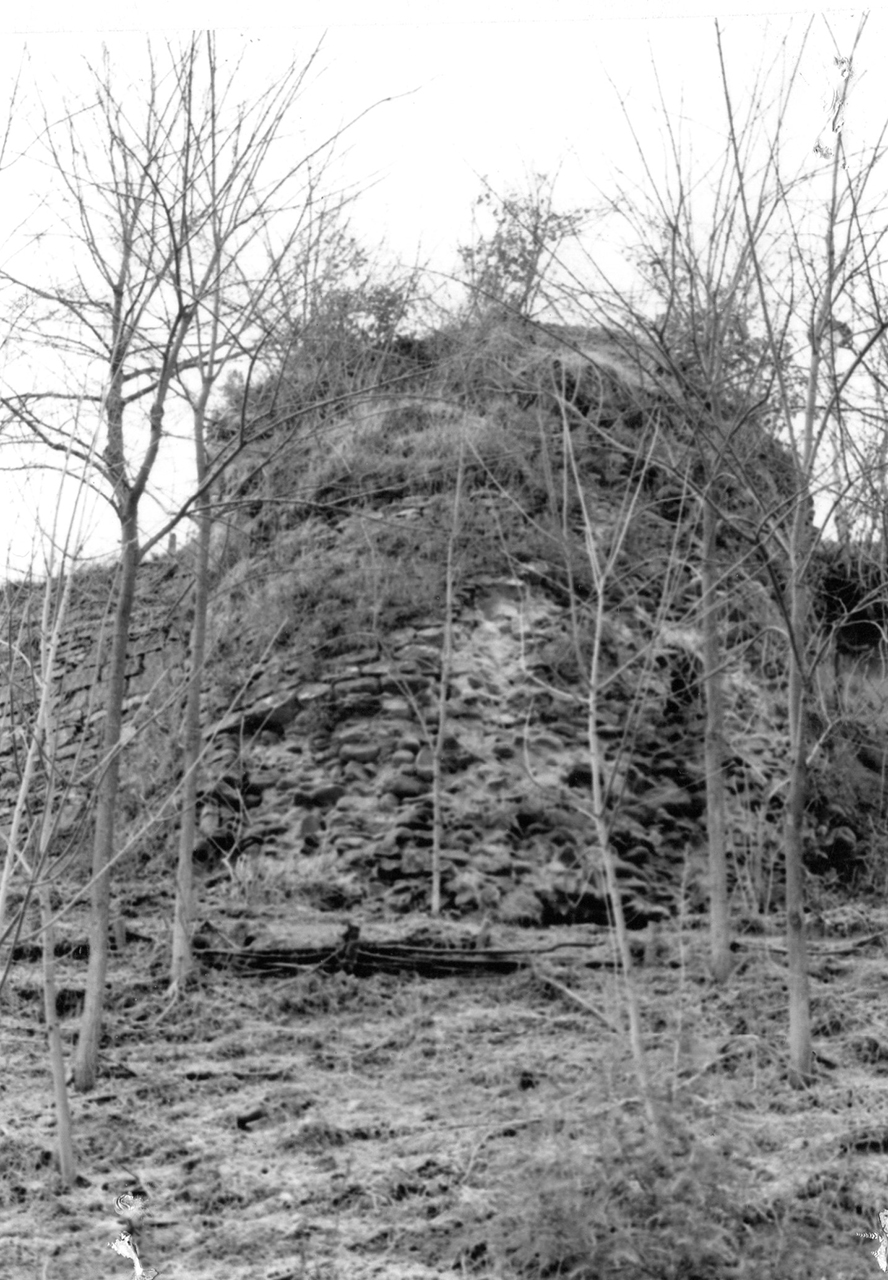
(480, 88)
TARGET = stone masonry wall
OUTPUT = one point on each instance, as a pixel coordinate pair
(155, 666)
(327, 783)
(330, 781)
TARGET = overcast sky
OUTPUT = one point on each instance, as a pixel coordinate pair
(477, 89)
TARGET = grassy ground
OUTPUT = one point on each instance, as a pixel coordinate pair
(336, 1128)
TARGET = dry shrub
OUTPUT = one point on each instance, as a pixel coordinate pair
(389, 448)
(590, 1206)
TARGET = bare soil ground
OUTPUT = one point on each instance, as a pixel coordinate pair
(330, 1127)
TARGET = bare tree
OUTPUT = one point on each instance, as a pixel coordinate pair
(41, 792)
(234, 324)
(846, 264)
(185, 210)
(507, 269)
(604, 557)
(747, 346)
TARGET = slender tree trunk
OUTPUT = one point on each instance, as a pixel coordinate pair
(797, 784)
(47, 730)
(184, 915)
(446, 666)
(54, 1041)
(597, 763)
(87, 1053)
(714, 751)
(796, 944)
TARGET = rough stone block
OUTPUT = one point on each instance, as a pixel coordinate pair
(405, 787)
(363, 753)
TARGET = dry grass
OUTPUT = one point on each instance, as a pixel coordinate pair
(337, 1128)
